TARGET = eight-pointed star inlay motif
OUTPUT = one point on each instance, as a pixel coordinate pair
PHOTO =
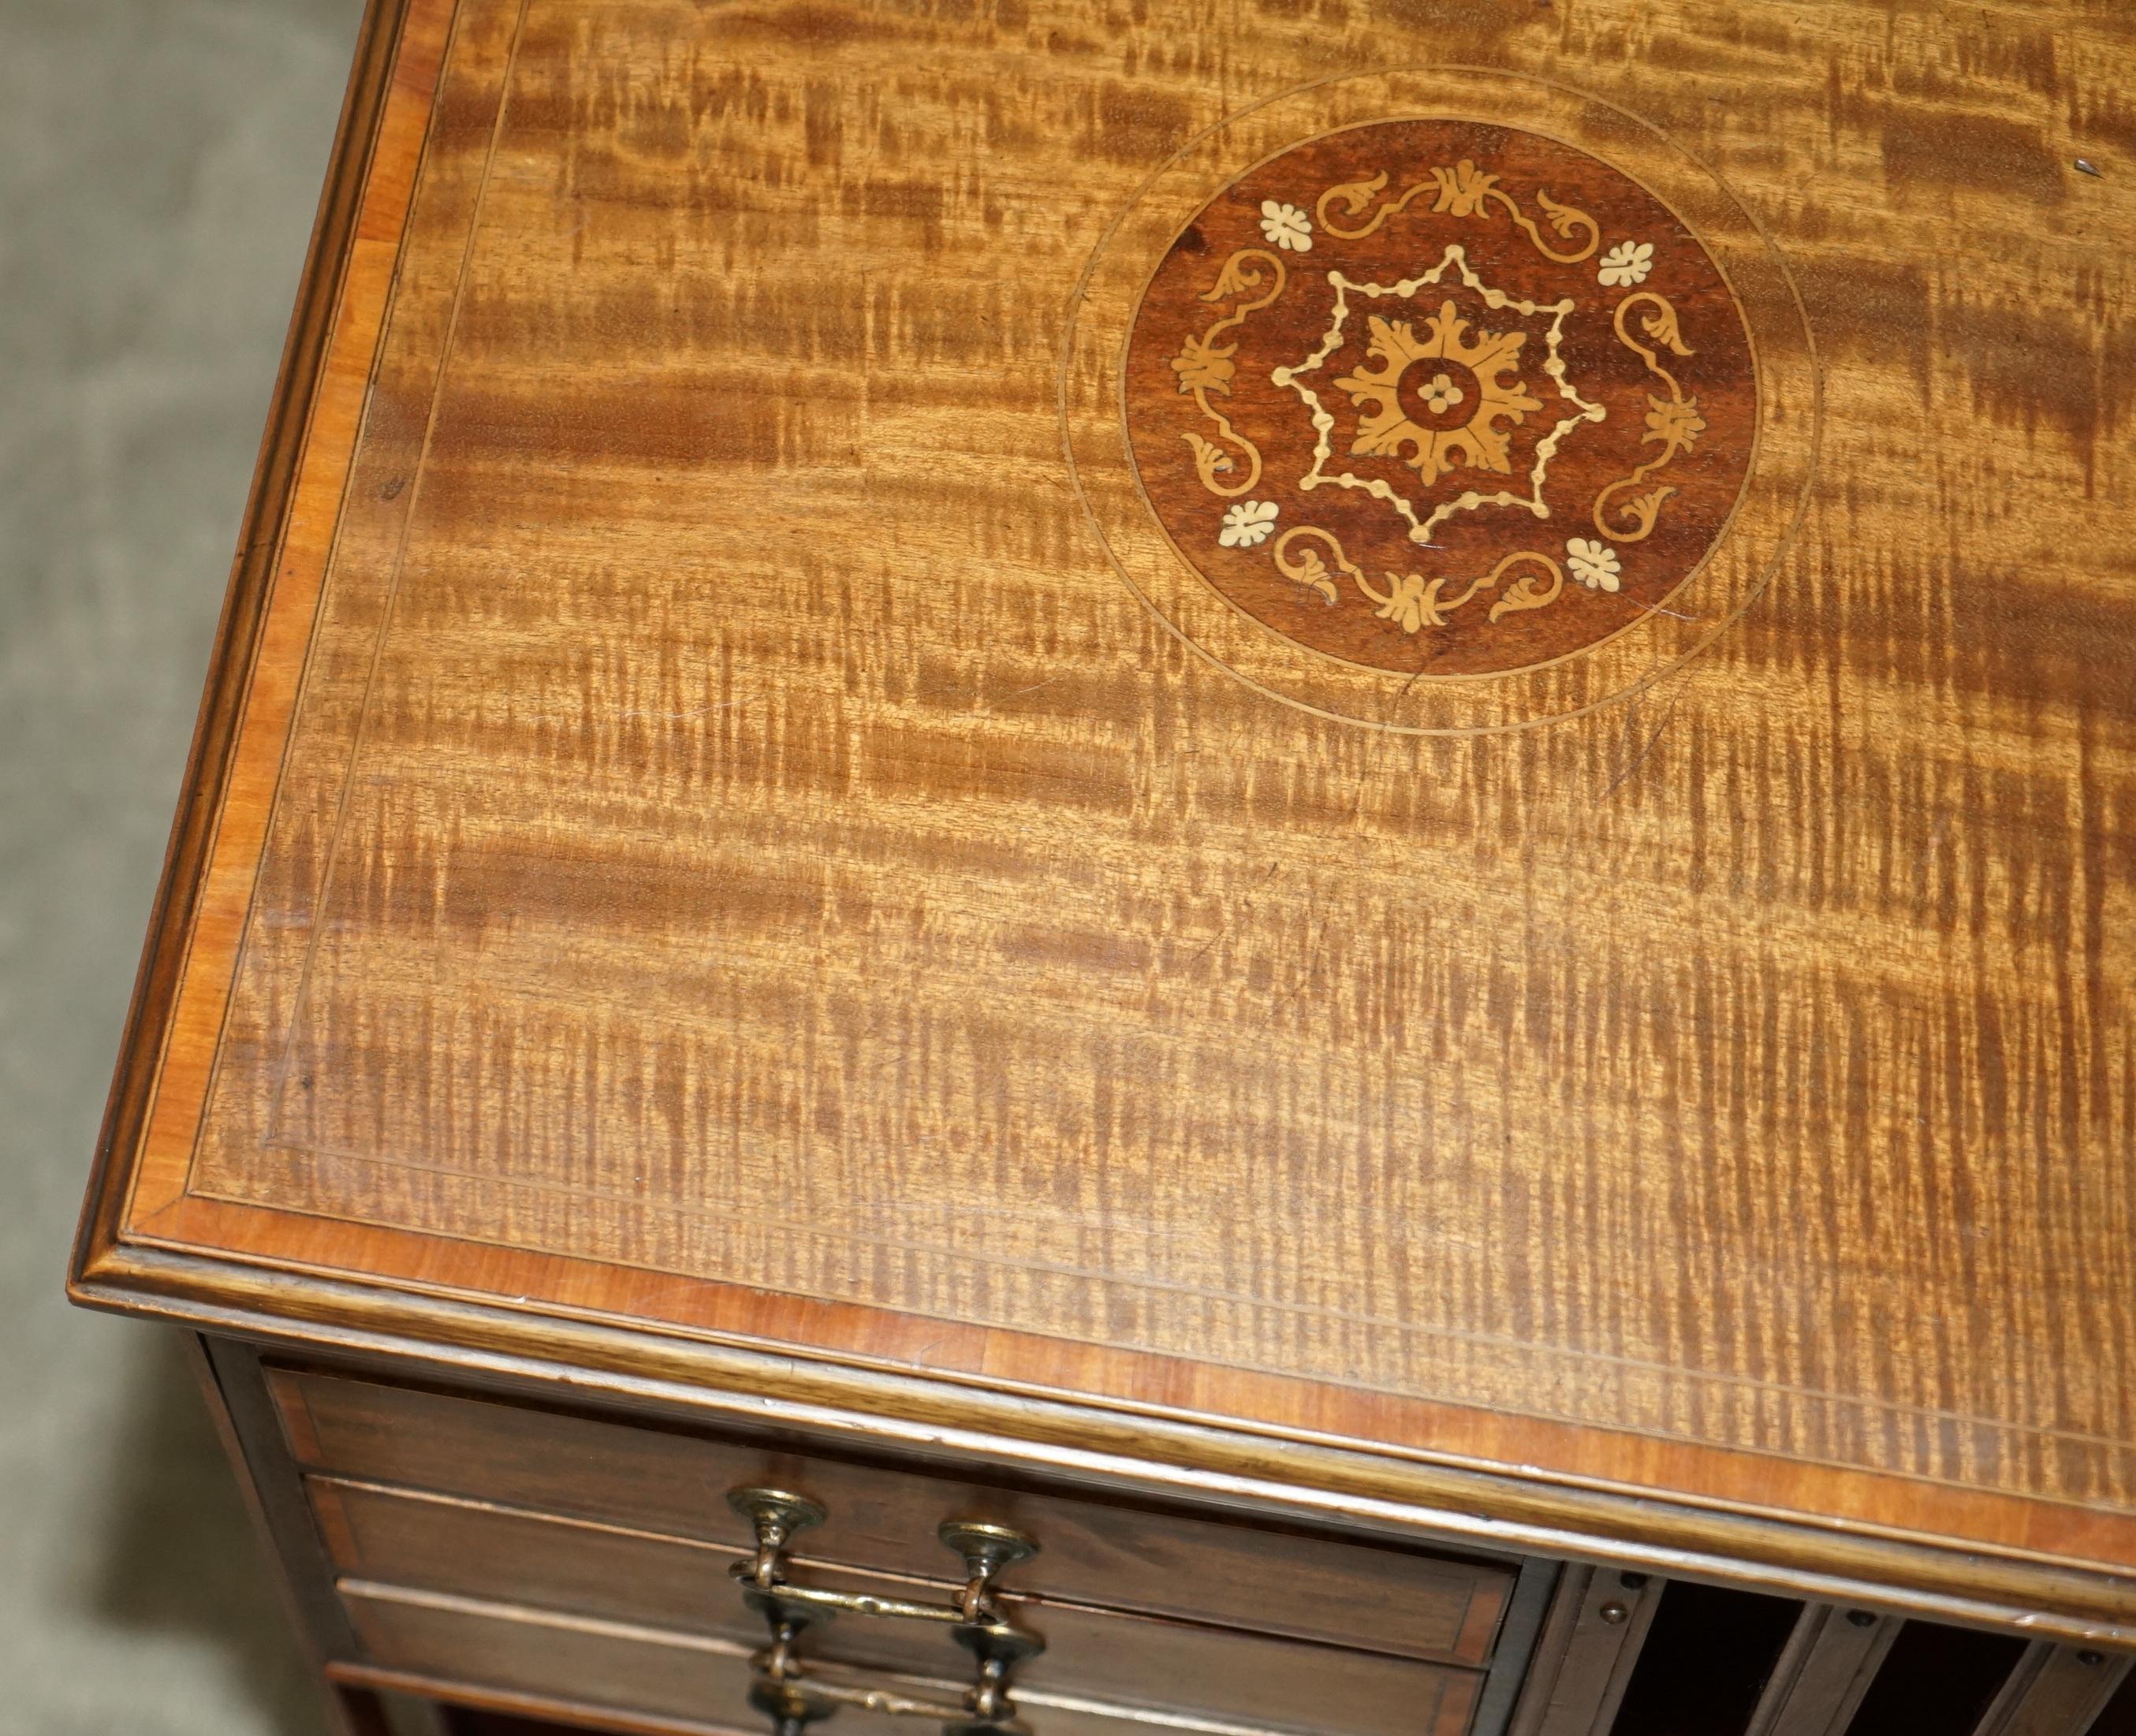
(1443, 398)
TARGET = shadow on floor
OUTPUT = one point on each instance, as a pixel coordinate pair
(181, 1556)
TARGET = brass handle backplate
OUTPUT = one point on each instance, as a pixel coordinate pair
(793, 1699)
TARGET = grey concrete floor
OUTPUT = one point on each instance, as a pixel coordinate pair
(158, 163)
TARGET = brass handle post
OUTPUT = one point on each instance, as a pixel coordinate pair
(793, 1699)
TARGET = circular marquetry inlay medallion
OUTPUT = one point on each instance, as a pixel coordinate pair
(1440, 397)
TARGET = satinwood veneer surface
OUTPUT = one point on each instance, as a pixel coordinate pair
(810, 749)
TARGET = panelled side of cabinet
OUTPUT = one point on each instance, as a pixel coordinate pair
(230, 1378)
(1584, 1658)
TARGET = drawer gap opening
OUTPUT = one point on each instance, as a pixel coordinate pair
(2118, 1719)
(1938, 1681)
(1705, 1662)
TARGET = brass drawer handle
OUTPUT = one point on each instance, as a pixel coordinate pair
(793, 1699)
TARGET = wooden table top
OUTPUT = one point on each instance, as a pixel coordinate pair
(1406, 728)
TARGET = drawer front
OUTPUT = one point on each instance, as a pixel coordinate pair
(699, 1681)
(1379, 1598)
(441, 1545)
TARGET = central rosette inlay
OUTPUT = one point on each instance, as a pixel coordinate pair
(1438, 396)
(1391, 393)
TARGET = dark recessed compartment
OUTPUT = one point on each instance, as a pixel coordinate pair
(1937, 1681)
(1705, 1662)
(461, 1721)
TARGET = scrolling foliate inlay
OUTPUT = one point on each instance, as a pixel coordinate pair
(1433, 431)
(1463, 191)
(1204, 365)
(1410, 600)
(1673, 421)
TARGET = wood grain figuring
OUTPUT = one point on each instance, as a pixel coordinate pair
(713, 842)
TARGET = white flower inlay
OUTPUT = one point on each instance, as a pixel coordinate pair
(1286, 226)
(1594, 564)
(1627, 263)
(1442, 394)
(1247, 523)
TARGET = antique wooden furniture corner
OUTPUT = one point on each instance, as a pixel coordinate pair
(1262, 867)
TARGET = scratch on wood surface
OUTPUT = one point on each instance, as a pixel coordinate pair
(1020, 692)
(1640, 758)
